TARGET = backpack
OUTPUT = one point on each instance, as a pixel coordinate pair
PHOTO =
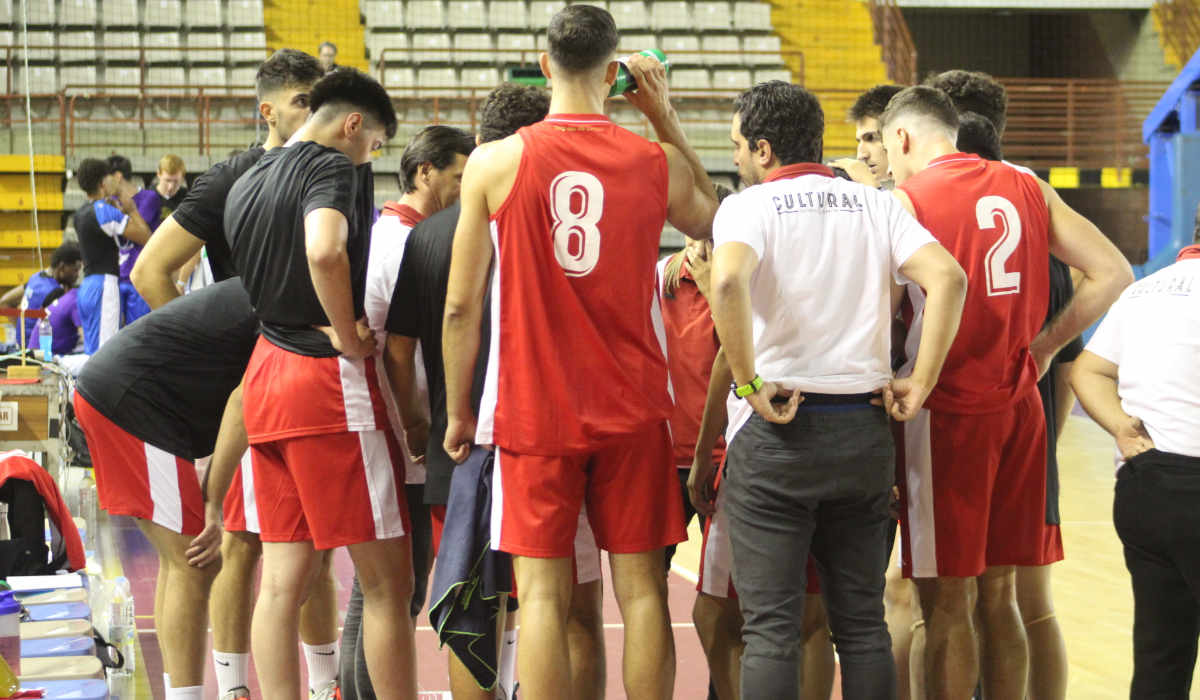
(26, 553)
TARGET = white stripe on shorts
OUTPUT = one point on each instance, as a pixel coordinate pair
(921, 533)
(356, 395)
(381, 484)
(249, 504)
(497, 499)
(165, 497)
(110, 309)
(486, 424)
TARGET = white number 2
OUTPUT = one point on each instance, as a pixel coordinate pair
(576, 202)
(994, 212)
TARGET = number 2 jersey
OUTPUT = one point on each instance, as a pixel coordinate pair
(577, 347)
(992, 217)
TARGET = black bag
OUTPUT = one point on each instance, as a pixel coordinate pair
(26, 554)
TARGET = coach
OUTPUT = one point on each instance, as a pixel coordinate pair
(1139, 378)
(803, 273)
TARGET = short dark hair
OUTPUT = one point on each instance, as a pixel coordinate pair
(871, 103)
(437, 144)
(66, 254)
(120, 164)
(330, 44)
(923, 101)
(286, 68)
(974, 91)
(582, 37)
(976, 134)
(90, 174)
(510, 107)
(787, 116)
(351, 87)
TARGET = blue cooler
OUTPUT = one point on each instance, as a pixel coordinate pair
(59, 611)
(58, 646)
(91, 689)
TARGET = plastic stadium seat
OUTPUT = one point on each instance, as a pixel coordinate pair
(540, 12)
(711, 16)
(77, 13)
(6, 13)
(508, 14)
(247, 40)
(42, 79)
(242, 77)
(41, 14)
(425, 14)
(437, 79)
(754, 45)
(396, 44)
(730, 79)
(482, 79)
(384, 14)
(119, 13)
(121, 75)
(208, 76)
(721, 50)
(245, 14)
(628, 13)
(762, 76)
(399, 77)
(203, 14)
(516, 48)
(76, 77)
(671, 16)
(83, 47)
(690, 79)
(162, 47)
(466, 14)
(467, 49)
(165, 75)
(40, 38)
(205, 47)
(752, 16)
(682, 49)
(632, 43)
(431, 48)
(120, 46)
(163, 13)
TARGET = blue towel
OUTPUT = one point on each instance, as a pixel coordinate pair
(470, 576)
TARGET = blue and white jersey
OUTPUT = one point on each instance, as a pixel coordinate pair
(100, 225)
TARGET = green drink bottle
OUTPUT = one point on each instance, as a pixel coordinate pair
(625, 81)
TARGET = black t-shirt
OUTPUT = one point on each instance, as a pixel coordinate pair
(202, 212)
(165, 379)
(418, 303)
(264, 222)
(1061, 291)
(99, 224)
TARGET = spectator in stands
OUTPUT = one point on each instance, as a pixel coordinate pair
(327, 55)
(1138, 379)
(106, 222)
(120, 174)
(62, 274)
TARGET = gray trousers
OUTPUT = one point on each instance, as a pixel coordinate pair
(819, 484)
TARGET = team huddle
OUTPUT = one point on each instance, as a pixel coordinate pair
(502, 352)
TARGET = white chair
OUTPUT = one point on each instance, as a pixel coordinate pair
(466, 14)
(473, 48)
(172, 77)
(437, 80)
(762, 50)
(768, 74)
(42, 79)
(540, 12)
(248, 40)
(6, 15)
(208, 77)
(508, 14)
(394, 43)
(690, 79)
(752, 16)
(431, 48)
(78, 78)
(732, 79)
(632, 43)
(205, 47)
(203, 14)
(163, 13)
(721, 50)
(682, 50)
(41, 13)
(402, 77)
(516, 48)
(384, 14)
(628, 14)
(121, 79)
(40, 38)
(479, 79)
(82, 47)
(119, 13)
(245, 14)
(711, 16)
(162, 47)
(671, 16)
(121, 46)
(242, 77)
(77, 13)
(425, 14)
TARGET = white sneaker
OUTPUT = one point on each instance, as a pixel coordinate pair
(331, 691)
(239, 693)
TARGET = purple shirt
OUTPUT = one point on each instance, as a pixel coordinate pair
(153, 208)
(65, 323)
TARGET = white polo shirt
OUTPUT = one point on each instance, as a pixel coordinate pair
(828, 250)
(1152, 334)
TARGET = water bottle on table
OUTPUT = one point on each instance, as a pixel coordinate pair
(10, 631)
(46, 339)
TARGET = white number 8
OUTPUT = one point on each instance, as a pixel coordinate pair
(994, 212)
(576, 202)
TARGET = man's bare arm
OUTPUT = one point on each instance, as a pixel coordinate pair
(171, 247)
(1095, 381)
(325, 234)
(232, 443)
(12, 298)
(700, 479)
(399, 360)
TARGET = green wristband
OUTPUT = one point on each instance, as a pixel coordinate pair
(746, 389)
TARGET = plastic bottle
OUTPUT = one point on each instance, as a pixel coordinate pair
(9, 685)
(10, 631)
(625, 81)
(89, 509)
(121, 629)
(46, 339)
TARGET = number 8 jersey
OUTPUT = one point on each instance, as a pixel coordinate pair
(577, 356)
(992, 217)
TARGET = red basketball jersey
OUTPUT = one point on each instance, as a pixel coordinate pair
(577, 356)
(993, 219)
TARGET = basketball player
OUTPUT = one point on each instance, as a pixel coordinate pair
(282, 85)
(298, 226)
(865, 114)
(576, 398)
(976, 456)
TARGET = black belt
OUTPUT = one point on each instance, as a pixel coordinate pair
(833, 399)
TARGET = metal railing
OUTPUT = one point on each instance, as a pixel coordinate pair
(1179, 21)
(893, 37)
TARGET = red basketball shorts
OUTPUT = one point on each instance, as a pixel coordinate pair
(973, 492)
(630, 489)
(140, 480)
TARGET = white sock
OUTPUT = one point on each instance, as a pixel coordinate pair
(233, 671)
(195, 692)
(322, 663)
(508, 665)
(166, 680)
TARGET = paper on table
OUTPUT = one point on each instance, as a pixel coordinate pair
(27, 584)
